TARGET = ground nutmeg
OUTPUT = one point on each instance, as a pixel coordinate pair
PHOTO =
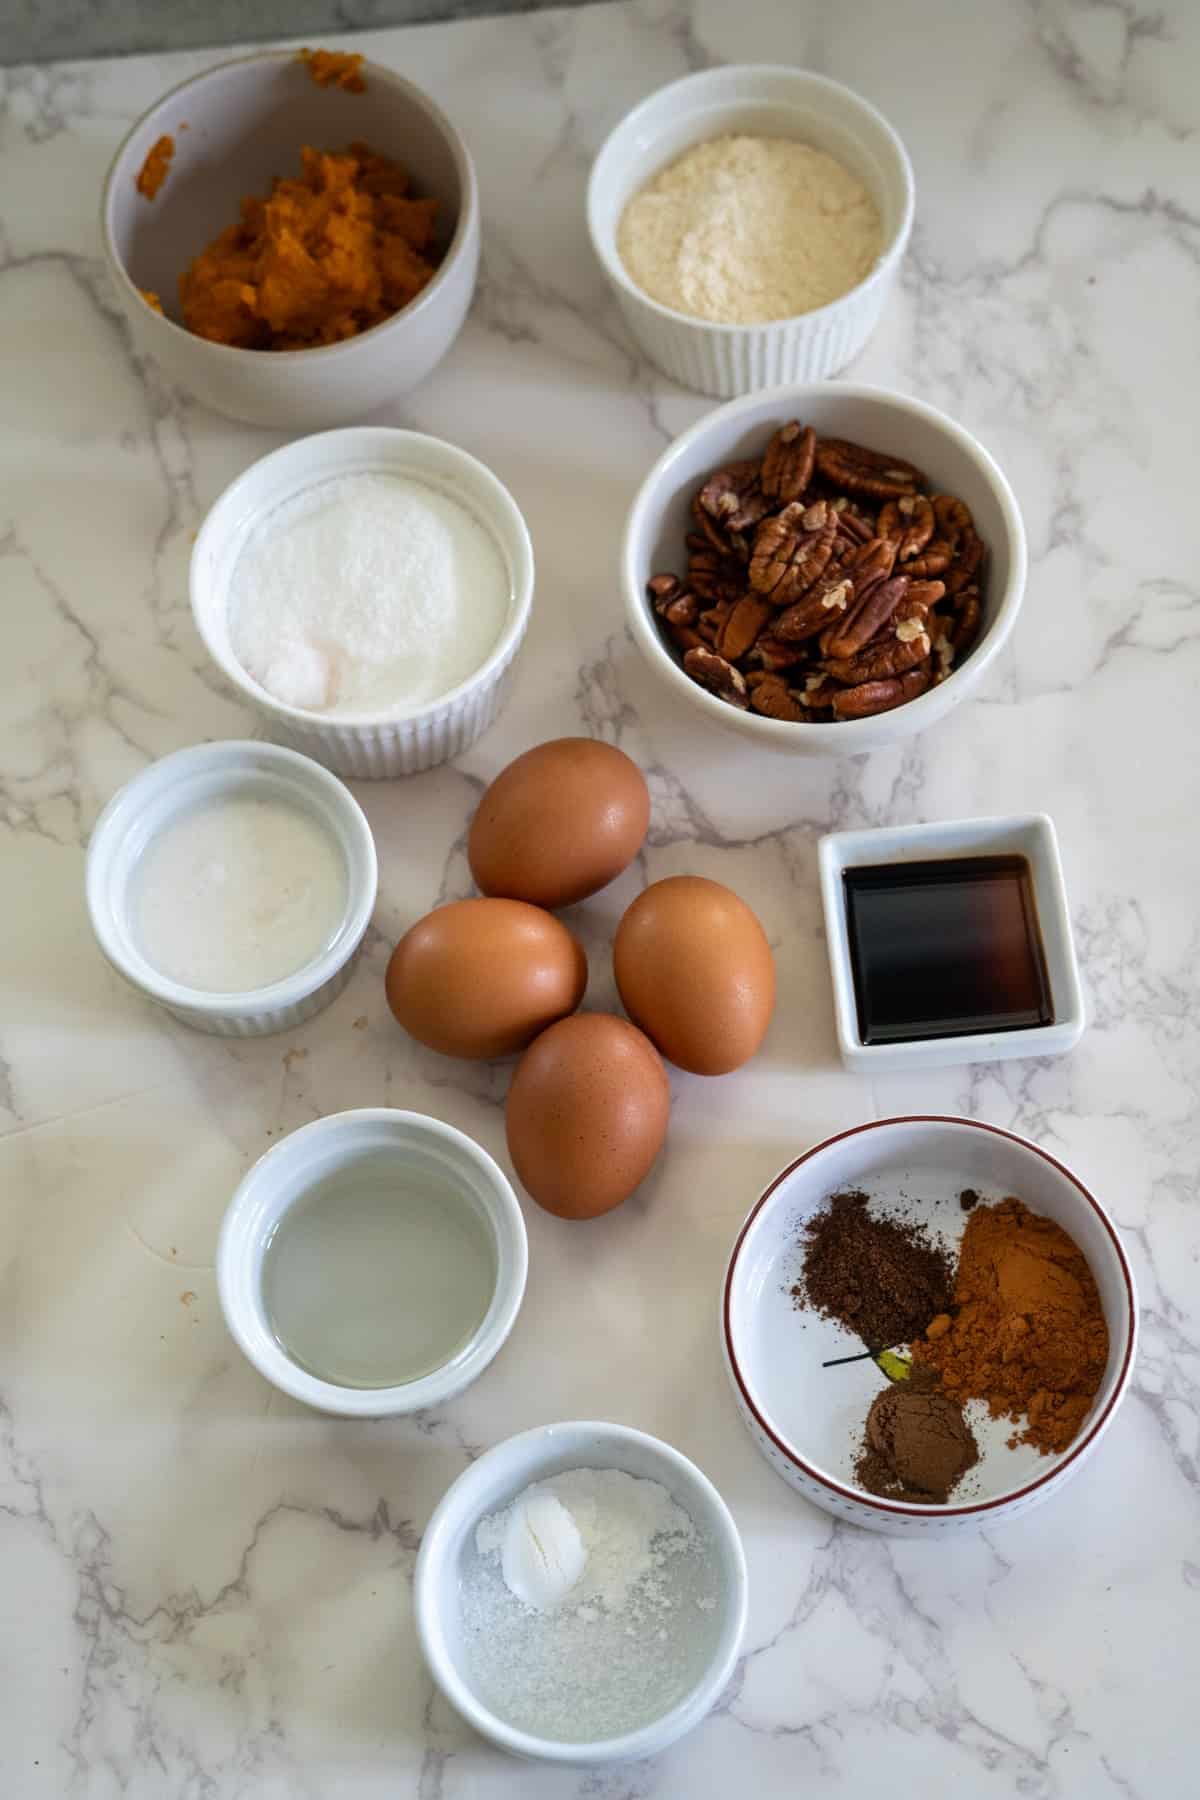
(880, 1277)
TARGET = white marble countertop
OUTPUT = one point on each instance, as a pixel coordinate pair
(206, 1589)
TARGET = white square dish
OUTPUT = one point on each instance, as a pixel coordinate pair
(1030, 835)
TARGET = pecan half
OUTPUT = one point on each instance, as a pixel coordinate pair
(773, 653)
(742, 628)
(935, 559)
(817, 694)
(733, 498)
(715, 575)
(685, 637)
(791, 551)
(893, 654)
(718, 676)
(672, 601)
(771, 696)
(868, 615)
(953, 517)
(853, 525)
(910, 521)
(857, 470)
(922, 594)
(967, 616)
(787, 464)
(710, 624)
(879, 696)
(967, 563)
(824, 600)
(709, 531)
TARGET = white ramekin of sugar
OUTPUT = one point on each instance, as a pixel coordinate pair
(232, 885)
(355, 591)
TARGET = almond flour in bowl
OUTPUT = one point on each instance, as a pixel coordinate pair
(745, 230)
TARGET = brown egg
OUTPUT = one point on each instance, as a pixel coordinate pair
(587, 1114)
(559, 823)
(696, 973)
(483, 977)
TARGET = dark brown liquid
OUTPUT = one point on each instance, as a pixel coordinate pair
(943, 949)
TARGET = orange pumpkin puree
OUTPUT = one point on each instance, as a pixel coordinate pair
(153, 171)
(321, 258)
(335, 68)
(151, 298)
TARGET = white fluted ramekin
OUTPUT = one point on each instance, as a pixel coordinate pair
(189, 778)
(373, 746)
(765, 100)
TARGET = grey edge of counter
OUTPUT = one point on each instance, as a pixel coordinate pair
(56, 30)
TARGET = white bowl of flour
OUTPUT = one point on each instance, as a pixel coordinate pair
(367, 590)
(580, 1594)
(776, 214)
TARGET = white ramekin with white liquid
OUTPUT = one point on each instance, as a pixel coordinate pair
(166, 795)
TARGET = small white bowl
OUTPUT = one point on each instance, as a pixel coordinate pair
(490, 1483)
(1031, 835)
(333, 1145)
(236, 127)
(768, 100)
(807, 1420)
(381, 745)
(174, 785)
(949, 456)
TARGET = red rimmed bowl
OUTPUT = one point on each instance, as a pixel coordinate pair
(807, 1419)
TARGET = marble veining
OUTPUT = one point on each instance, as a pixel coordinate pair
(207, 1588)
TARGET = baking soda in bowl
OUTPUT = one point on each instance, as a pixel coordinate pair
(370, 593)
(580, 1654)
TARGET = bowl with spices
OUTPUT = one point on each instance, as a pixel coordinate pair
(823, 568)
(580, 1594)
(929, 1323)
(294, 238)
(367, 591)
(751, 221)
(232, 884)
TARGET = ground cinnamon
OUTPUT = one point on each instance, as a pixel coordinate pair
(1027, 1334)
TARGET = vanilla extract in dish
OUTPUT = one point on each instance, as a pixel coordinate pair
(946, 948)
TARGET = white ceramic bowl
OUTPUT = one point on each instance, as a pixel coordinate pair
(246, 122)
(949, 456)
(174, 785)
(490, 1483)
(767, 100)
(413, 1143)
(807, 1420)
(382, 744)
(1030, 835)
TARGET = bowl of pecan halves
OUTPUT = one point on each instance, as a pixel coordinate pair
(827, 567)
